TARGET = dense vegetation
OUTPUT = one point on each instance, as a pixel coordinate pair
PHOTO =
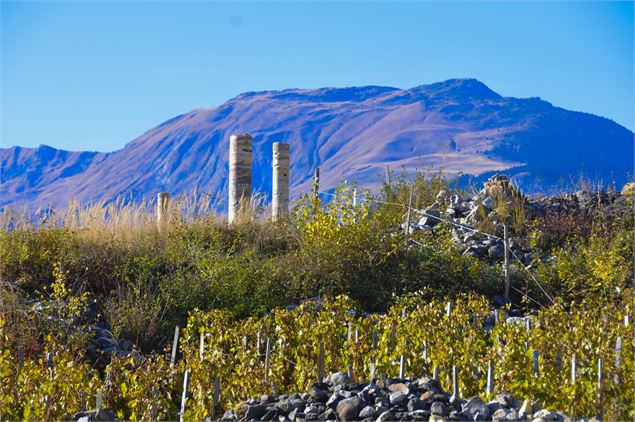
(141, 281)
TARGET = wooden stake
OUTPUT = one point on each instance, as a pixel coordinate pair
(20, 357)
(99, 399)
(154, 408)
(448, 310)
(535, 364)
(506, 245)
(455, 381)
(617, 379)
(573, 370)
(49, 364)
(320, 367)
(175, 345)
(186, 385)
(600, 388)
(402, 364)
(490, 378)
(408, 212)
(435, 373)
(267, 353)
(217, 395)
(316, 183)
(201, 347)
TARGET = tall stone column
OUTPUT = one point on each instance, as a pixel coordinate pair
(240, 151)
(280, 190)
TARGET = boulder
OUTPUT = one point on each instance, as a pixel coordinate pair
(339, 378)
(475, 406)
(438, 409)
(348, 409)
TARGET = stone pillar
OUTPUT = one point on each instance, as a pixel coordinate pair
(280, 190)
(239, 175)
(163, 209)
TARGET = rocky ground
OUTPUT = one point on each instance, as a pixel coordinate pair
(411, 399)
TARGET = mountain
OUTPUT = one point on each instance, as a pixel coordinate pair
(350, 133)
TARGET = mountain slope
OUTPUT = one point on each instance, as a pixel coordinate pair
(351, 133)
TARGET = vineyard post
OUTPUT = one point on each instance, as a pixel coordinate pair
(84, 397)
(372, 370)
(49, 364)
(408, 213)
(448, 310)
(618, 360)
(20, 357)
(320, 368)
(349, 333)
(356, 336)
(626, 321)
(258, 341)
(425, 357)
(201, 347)
(267, 353)
(316, 189)
(354, 197)
(154, 408)
(280, 181)
(216, 396)
(163, 210)
(506, 246)
(559, 362)
(535, 364)
(402, 363)
(240, 157)
(99, 399)
(600, 389)
(245, 343)
(490, 377)
(186, 385)
(435, 373)
(455, 381)
(349, 369)
(175, 346)
(573, 370)
(388, 177)
(375, 339)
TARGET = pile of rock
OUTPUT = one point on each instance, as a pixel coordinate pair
(499, 200)
(411, 399)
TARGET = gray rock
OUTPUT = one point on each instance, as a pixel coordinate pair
(386, 416)
(334, 400)
(327, 415)
(546, 415)
(500, 414)
(525, 410)
(348, 409)
(512, 415)
(228, 416)
(475, 406)
(420, 415)
(255, 411)
(432, 219)
(415, 404)
(318, 394)
(438, 409)
(496, 252)
(433, 385)
(339, 378)
(400, 386)
(368, 412)
(397, 398)
(488, 202)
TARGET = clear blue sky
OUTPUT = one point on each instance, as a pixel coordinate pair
(95, 75)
